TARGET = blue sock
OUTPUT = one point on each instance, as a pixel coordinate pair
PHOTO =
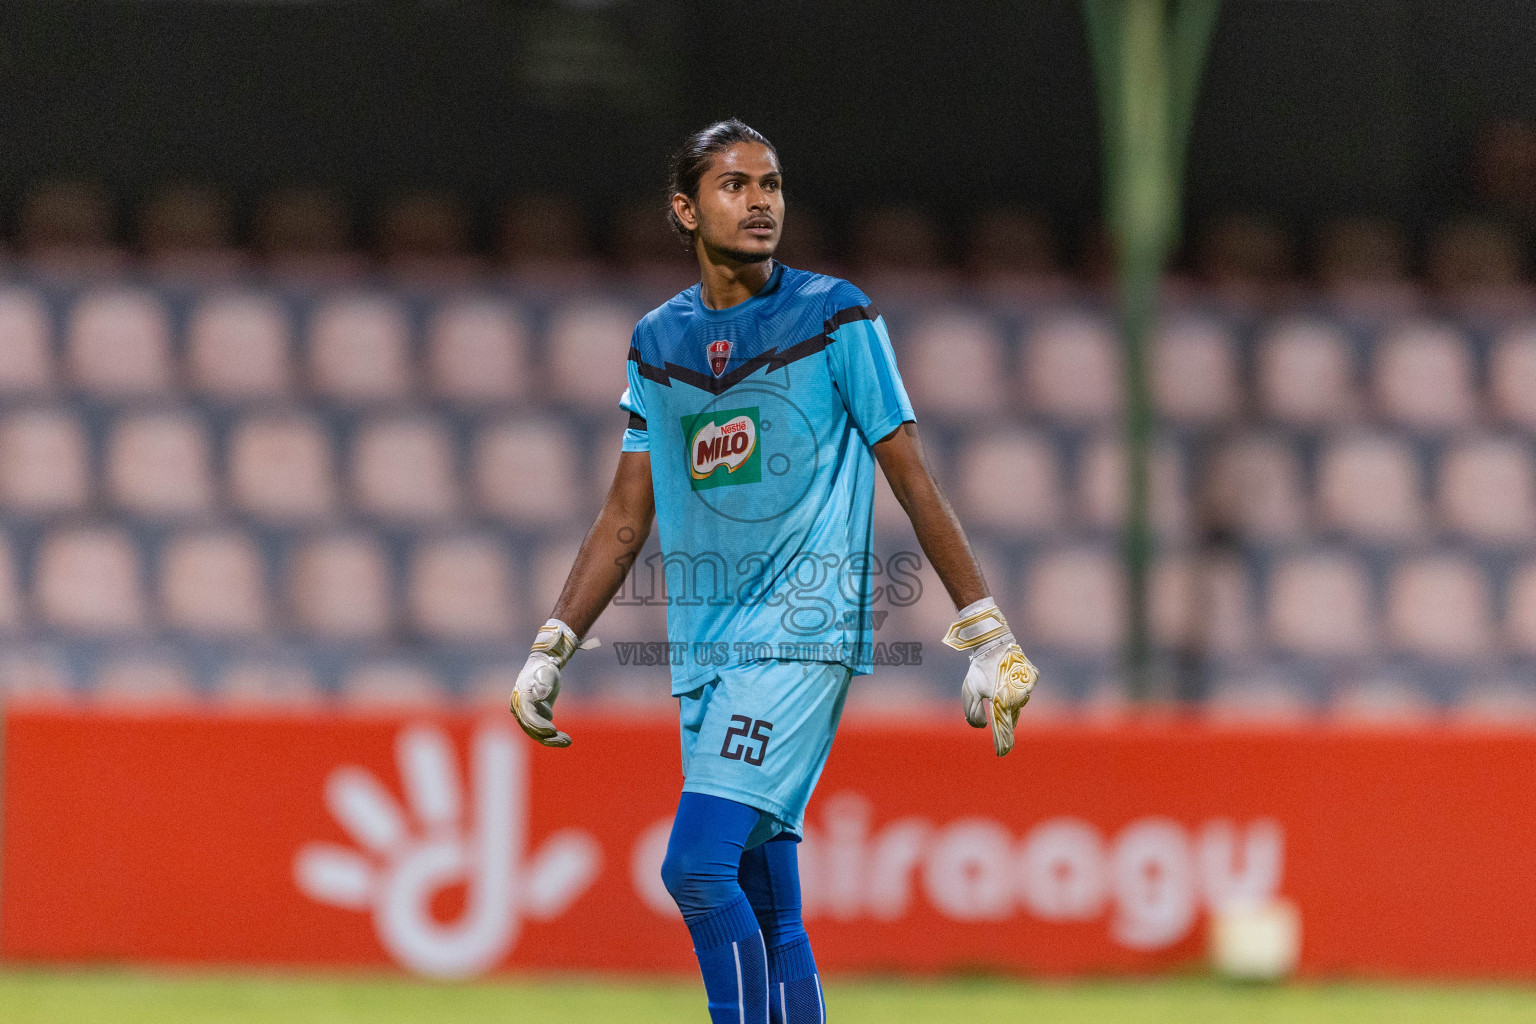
(703, 861)
(770, 877)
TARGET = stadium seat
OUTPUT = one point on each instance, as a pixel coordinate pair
(339, 588)
(1361, 251)
(158, 464)
(1194, 375)
(1512, 377)
(953, 367)
(1009, 242)
(1487, 490)
(403, 468)
(1074, 601)
(543, 232)
(1072, 371)
(895, 238)
(1320, 605)
(1101, 486)
(421, 226)
(66, 227)
(147, 682)
(1202, 602)
(510, 456)
(119, 343)
(238, 347)
(301, 223)
(392, 686)
(359, 349)
(1469, 254)
(1258, 699)
(280, 468)
(89, 581)
(188, 231)
(461, 589)
(1306, 376)
(1369, 486)
(1423, 378)
(1498, 703)
(213, 583)
(1245, 253)
(478, 352)
(586, 347)
(1009, 480)
(1520, 610)
(1254, 486)
(44, 462)
(252, 684)
(1438, 608)
(26, 358)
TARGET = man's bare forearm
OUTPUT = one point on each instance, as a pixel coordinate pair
(933, 520)
(610, 547)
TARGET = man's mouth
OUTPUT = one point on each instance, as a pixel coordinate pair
(762, 227)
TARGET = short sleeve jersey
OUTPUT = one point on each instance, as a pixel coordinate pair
(759, 420)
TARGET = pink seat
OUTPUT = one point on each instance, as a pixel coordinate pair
(1423, 378)
(281, 468)
(213, 583)
(1254, 486)
(120, 343)
(1512, 377)
(1520, 612)
(26, 361)
(1382, 700)
(586, 349)
(1102, 486)
(526, 471)
(1074, 600)
(238, 347)
(158, 465)
(144, 681)
(1203, 603)
(1010, 480)
(478, 352)
(32, 676)
(1369, 486)
(10, 590)
(1438, 607)
(339, 587)
(1194, 373)
(461, 589)
(402, 468)
(1487, 490)
(89, 581)
(1320, 605)
(391, 685)
(1306, 375)
(953, 366)
(267, 684)
(44, 462)
(1072, 370)
(359, 350)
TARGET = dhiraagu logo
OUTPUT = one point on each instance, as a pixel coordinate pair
(722, 447)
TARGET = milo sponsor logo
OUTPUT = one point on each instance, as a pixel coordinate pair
(722, 447)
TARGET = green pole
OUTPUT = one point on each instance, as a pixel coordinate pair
(1148, 56)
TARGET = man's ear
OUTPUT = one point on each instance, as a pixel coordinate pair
(683, 208)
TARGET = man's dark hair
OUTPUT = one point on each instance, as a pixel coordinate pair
(691, 161)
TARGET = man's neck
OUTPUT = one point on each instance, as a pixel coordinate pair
(725, 282)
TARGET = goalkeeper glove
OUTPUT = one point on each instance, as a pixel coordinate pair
(999, 681)
(538, 684)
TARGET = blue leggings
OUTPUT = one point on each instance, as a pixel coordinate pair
(742, 908)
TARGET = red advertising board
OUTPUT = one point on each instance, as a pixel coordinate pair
(452, 846)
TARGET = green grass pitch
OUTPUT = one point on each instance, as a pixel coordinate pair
(113, 997)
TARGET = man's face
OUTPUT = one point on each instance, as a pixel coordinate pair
(740, 209)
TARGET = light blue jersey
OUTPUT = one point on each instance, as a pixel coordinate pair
(759, 420)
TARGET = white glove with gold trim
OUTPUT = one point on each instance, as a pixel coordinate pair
(538, 684)
(999, 681)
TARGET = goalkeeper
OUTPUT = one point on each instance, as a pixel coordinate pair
(760, 400)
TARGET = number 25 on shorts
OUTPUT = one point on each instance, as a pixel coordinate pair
(748, 732)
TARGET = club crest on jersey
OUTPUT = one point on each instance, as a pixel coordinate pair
(719, 356)
(722, 447)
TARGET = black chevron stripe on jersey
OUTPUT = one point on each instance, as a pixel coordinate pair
(772, 359)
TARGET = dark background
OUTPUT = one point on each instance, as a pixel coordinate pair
(1309, 108)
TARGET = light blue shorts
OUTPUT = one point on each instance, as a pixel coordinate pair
(760, 733)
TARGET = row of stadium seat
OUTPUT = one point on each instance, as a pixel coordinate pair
(126, 344)
(474, 588)
(286, 465)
